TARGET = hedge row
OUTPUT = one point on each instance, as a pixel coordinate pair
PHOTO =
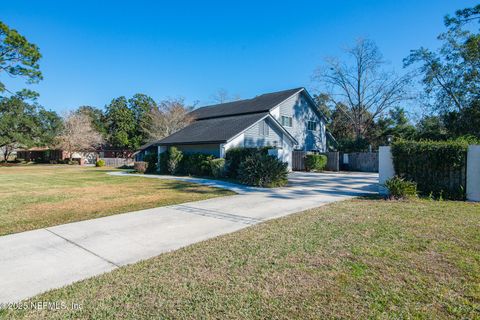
(438, 167)
(251, 166)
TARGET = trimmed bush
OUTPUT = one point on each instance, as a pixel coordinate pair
(236, 156)
(315, 162)
(173, 159)
(438, 167)
(100, 163)
(262, 170)
(399, 188)
(217, 167)
(196, 164)
(140, 166)
(152, 160)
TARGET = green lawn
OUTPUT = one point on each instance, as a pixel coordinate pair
(38, 196)
(354, 259)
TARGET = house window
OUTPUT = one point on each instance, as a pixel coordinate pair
(312, 125)
(263, 129)
(286, 121)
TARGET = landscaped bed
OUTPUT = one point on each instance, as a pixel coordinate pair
(38, 196)
(363, 258)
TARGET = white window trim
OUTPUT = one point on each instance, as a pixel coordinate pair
(288, 117)
(316, 124)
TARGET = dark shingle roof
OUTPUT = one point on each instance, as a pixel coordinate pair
(215, 130)
(262, 103)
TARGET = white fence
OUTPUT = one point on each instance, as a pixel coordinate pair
(117, 162)
(386, 171)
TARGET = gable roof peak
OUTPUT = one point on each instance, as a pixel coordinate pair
(261, 103)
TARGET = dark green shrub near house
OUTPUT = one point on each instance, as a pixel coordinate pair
(170, 161)
(315, 162)
(399, 188)
(438, 167)
(251, 166)
(217, 167)
(235, 156)
(196, 164)
(152, 160)
(262, 170)
(174, 157)
(100, 163)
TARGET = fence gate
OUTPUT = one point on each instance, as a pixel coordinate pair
(298, 160)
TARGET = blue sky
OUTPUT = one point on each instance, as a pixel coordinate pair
(94, 51)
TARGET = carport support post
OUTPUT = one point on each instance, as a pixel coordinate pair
(160, 150)
(385, 168)
(473, 173)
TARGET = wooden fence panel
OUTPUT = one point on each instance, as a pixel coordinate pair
(298, 160)
(333, 161)
(363, 161)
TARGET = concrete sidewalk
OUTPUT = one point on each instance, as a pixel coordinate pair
(35, 261)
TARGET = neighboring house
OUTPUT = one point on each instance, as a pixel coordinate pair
(51, 155)
(48, 155)
(287, 120)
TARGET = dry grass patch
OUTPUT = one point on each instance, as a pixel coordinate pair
(354, 259)
(39, 196)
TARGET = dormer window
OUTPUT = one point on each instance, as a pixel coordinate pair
(312, 125)
(286, 121)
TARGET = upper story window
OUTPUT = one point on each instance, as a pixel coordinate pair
(263, 129)
(312, 125)
(286, 121)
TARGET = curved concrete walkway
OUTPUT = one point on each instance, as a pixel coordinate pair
(35, 261)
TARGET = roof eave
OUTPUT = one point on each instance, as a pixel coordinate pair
(190, 143)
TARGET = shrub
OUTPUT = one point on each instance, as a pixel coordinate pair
(217, 167)
(315, 162)
(438, 167)
(399, 188)
(140, 166)
(263, 170)
(152, 160)
(196, 164)
(100, 163)
(173, 158)
(236, 156)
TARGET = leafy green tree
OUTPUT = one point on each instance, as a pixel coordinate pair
(24, 124)
(49, 125)
(121, 124)
(431, 128)
(464, 122)
(451, 74)
(18, 57)
(395, 126)
(141, 106)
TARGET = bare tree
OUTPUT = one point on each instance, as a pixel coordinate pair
(170, 116)
(222, 96)
(361, 88)
(78, 134)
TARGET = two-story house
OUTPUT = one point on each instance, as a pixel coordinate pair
(287, 120)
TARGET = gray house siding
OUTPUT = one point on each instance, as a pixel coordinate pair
(301, 110)
(254, 136)
(213, 149)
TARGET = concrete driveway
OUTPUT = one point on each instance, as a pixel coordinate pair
(35, 261)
